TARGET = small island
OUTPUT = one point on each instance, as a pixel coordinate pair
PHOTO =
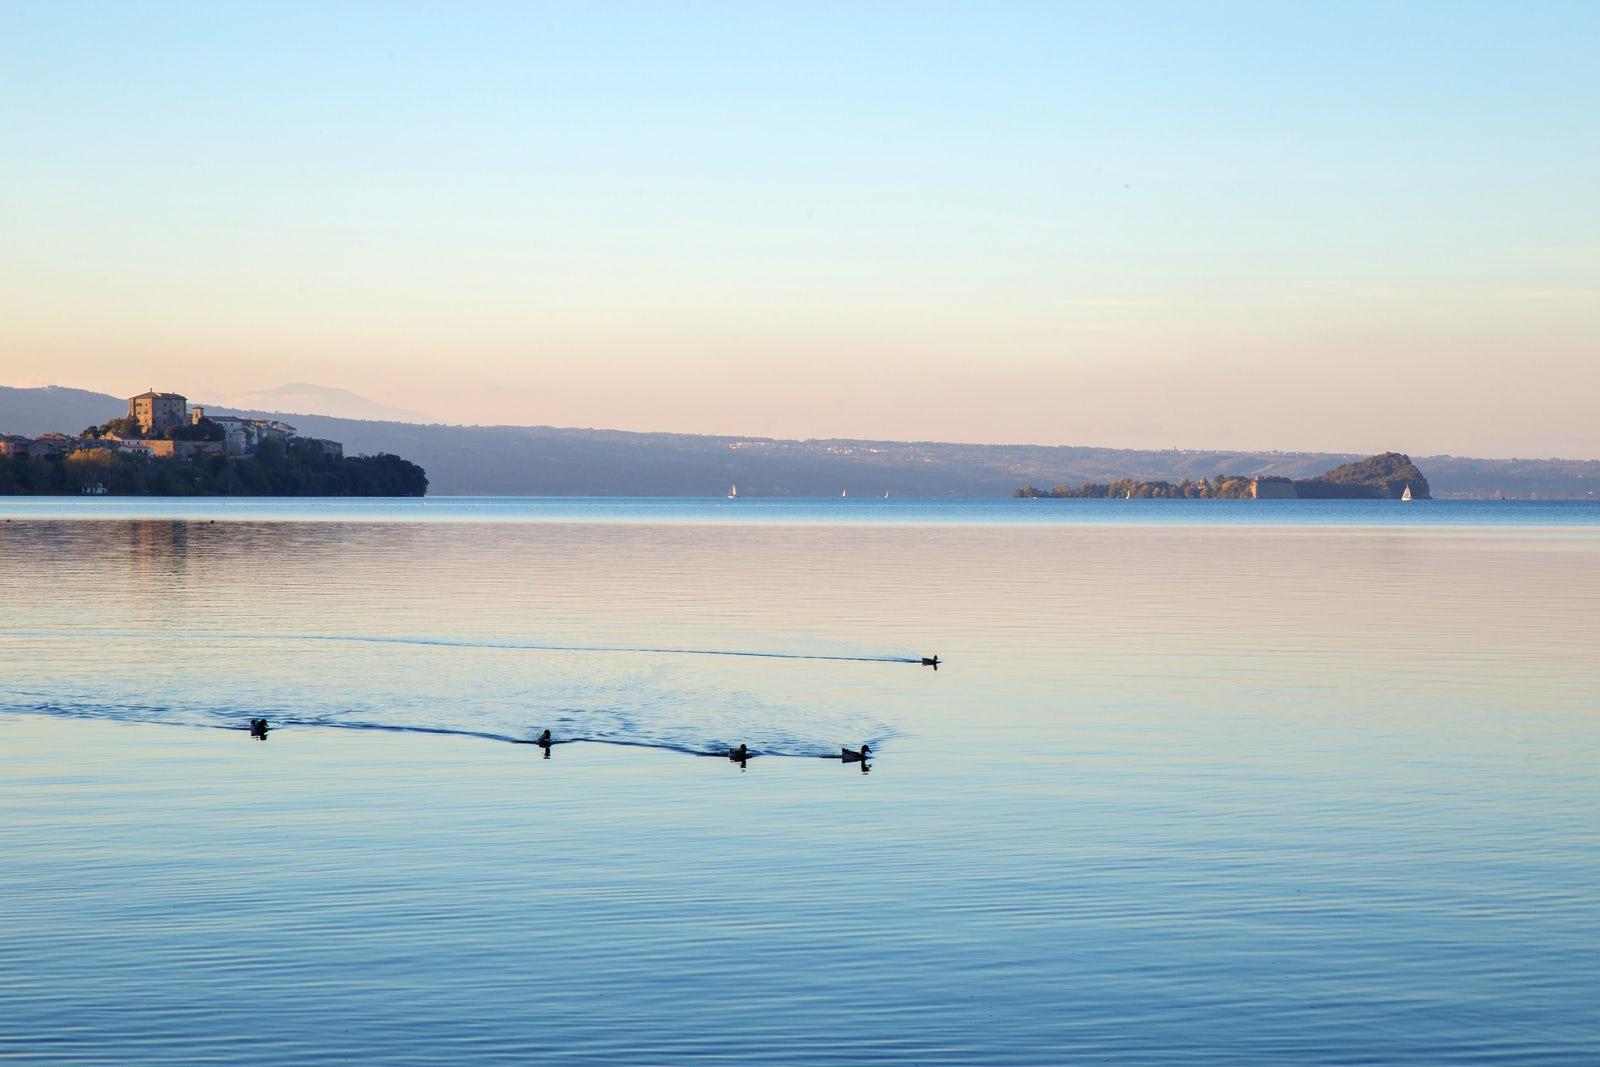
(162, 447)
(1389, 476)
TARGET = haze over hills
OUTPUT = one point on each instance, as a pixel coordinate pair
(542, 460)
(321, 400)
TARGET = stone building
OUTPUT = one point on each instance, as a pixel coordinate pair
(53, 444)
(238, 435)
(158, 411)
(243, 437)
(162, 449)
(136, 447)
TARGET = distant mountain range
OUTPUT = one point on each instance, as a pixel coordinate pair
(322, 399)
(543, 460)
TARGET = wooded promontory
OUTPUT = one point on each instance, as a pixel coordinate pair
(1382, 477)
(287, 468)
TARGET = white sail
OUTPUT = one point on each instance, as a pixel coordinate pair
(1407, 494)
(733, 492)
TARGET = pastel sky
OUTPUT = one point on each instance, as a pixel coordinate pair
(1262, 225)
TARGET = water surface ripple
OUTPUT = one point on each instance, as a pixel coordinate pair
(1182, 791)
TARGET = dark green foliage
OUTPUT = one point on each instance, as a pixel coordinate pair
(1382, 476)
(123, 427)
(1135, 489)
(301, 469)
(204, 430)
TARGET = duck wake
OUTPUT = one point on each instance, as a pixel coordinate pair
(455, 642)
(573, 727)
(681, 699)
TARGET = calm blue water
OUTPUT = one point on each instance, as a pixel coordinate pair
(1260, 782)
(700, 510)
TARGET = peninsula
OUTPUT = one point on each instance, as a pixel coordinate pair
(163, 447)
(1389, 476)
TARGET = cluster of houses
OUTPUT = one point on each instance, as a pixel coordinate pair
(154, 413)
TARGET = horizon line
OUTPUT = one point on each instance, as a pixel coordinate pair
(1307, 452)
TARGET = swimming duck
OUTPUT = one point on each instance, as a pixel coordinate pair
(258, 729)
(931, 661)
(543, 740)
(850, 755)
(740, 754)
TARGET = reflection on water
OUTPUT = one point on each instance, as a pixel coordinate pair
(240, 622)
(1215, 794)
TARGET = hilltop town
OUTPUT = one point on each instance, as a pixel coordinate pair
(163, 446)
(163, 425)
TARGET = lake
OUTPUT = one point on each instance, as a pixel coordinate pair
(1196, 781)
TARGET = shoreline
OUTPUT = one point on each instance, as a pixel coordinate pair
(818, 512)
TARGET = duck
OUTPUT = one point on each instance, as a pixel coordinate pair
(931, 661)
(740, 754)
(850, 755)
(258, 729)
(543, 740)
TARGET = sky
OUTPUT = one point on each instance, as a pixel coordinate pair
(1346, 227)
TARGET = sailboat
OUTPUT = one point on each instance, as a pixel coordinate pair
(1407, 494)
(733, 492)
(843, 493)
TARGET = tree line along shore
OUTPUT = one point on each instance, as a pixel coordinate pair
(1388, 476)
(286, 468)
